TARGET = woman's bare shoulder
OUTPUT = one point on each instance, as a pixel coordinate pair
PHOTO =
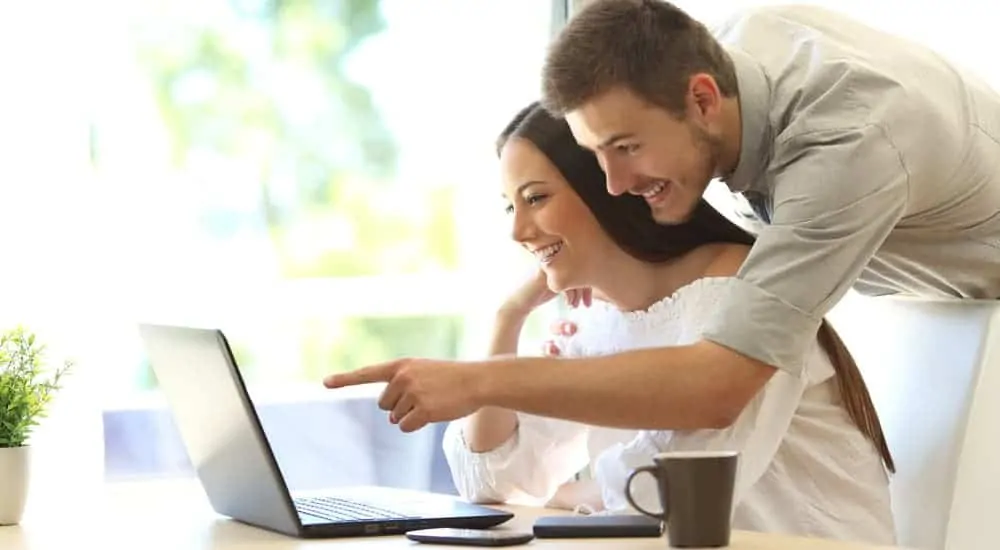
(726, 259)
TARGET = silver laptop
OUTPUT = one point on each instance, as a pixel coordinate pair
(226, 444)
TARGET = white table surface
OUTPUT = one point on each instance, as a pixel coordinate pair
(175, 515)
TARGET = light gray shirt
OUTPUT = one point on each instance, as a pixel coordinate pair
(874, 162)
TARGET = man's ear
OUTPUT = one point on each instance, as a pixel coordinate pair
(704, 99)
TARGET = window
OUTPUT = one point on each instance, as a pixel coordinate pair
(315, 178)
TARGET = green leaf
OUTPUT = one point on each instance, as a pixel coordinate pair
(26, 388)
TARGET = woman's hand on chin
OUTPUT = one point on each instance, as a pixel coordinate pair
(535, 292)
(529, 296)
(577, 297)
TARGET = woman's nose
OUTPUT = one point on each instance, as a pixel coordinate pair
(523, 228)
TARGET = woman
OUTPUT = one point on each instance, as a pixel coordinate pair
(813, 458)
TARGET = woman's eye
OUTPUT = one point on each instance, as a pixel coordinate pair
(628, 148)
(532, 199)
(509, 209)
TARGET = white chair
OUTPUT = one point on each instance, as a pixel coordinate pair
(933, 368)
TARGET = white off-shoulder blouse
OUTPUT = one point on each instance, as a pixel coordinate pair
(804, 467)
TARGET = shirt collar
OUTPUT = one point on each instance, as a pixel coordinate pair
(755, 103)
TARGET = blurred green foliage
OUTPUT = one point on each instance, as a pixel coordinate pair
(265, 86)
(363, 341)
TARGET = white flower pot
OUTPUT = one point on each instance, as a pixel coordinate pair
(13, 483)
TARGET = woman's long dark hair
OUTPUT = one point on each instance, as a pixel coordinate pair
(627, 220)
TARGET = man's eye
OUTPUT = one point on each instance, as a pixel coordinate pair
(628, 148)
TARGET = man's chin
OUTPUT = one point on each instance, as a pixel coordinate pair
(670, 216)
(676, 211)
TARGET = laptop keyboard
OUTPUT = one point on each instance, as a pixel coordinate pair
(338, 509)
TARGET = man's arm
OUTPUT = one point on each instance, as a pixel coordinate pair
(703, 385)
(837, 194)
(685, 387)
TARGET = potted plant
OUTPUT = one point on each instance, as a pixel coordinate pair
(25, 392)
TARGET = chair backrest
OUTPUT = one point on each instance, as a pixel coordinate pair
(933, 368)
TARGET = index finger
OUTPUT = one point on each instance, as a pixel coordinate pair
(367, 375)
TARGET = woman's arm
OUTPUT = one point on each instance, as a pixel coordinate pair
(489, 427)
(497, 455)
(528, 468)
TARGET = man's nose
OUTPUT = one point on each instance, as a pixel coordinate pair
(617, 177)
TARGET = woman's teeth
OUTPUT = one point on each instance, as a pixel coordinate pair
(654, 190)
(545, 254)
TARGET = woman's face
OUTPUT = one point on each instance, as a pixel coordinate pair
(550, 219)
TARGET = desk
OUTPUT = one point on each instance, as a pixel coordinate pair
(175, 515)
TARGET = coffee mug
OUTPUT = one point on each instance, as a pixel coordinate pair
(696, 492)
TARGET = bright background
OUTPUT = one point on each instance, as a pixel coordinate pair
(316, 178)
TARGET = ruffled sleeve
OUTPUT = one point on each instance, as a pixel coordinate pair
(542, 454)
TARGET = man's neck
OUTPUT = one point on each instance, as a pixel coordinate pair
(731, 137)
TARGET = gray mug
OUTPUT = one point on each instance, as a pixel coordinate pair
(696, 492)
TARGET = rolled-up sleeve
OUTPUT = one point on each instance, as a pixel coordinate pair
(541, 455)
(836, 196)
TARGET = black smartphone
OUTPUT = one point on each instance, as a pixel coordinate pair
(597, 526)
(470, 537)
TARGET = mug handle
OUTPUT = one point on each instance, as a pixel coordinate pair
(653, 471)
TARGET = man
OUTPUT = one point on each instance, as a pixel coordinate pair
(873, 162)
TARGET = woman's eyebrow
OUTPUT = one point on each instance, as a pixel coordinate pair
(520, 188)
(527, 184)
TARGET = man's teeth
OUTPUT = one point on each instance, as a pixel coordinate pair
(545, 254)
(654, 190)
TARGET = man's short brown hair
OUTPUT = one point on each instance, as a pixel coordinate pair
(650, 47)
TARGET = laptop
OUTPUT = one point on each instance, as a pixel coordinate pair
(227, 446)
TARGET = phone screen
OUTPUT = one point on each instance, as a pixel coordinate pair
(470, 537)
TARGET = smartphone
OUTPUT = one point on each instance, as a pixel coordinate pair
(470, 537)
(597, 526)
